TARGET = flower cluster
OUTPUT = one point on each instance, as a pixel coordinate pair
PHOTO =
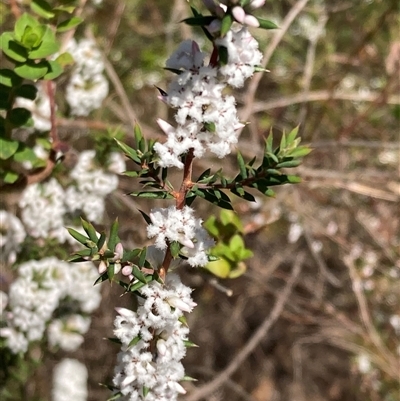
(153, 342)
(87, 87)
(43, 209)
(70, 381)
(12, 234)
(206, 117)
(43, 288)
(171, 224)
(92, 185)
(45, 205)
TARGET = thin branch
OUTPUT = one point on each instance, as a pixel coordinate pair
(321, 95)
(70, 34)
(209, 388)
(119, 88)
(310, 60)
(252, 88)
(364, 312)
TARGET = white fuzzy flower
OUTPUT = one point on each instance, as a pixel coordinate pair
(243, 56)
(155, 321)
(41, 288)
(87, 87)
(43, 208)
(70, 381)
(12, 234)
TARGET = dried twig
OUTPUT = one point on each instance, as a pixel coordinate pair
(252, 88)
(209, 388)
(316, 96)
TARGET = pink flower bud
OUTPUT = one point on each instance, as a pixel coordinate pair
(125, 312)
(239, 14)
(257, 3)
(177, 303)
(118, 251)
(166, 127)
(250, 20)
(126, 270)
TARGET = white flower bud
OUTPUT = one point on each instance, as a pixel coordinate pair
(161, 347)
(102, 267)
(126, 270)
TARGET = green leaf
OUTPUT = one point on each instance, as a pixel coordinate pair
(145, 216)
(32, 37)
(65, 59)
(238, 270)
(152, 194)
(78, 236)
(139, 284)
(18, 116)
(55, 70)
(220, 268)
(239, 191)
(111, 271)
(134, 341)
(139, 274)
(283, 143)
(114, 239)
(200, 20)
(242, 166)
(223, 55)
(9, 78)
(289, 163)
(130, 255)
(292, 135)
(90, 230)
(210, 127)
(266, 24)
(69, 24)
(31, 70)
(190, 344)
(42, 8)
(226, 24)
(47, 47)
(115, 396)
(102, 240)
(269, 143)
(114, 340)
(293, 179)
(101, 278)
(5, 101)
(130, 152)
(272, 156)
(7, 148)
(301, 151)
(27, 91)
(175, 248)
(24, 154)
(11, 48)
(10, 177)
(236, 243)
(22, 22)
(142, 257)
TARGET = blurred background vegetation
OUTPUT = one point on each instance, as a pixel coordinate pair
(334, 70)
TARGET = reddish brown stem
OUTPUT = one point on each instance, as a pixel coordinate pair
(180, 203)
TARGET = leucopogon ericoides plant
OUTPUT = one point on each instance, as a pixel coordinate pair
(154, 336)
